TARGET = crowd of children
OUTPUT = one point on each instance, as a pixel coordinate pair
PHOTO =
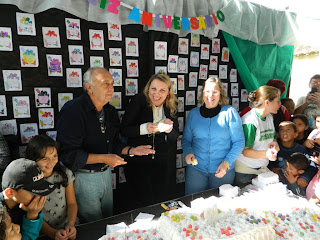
(38, 191)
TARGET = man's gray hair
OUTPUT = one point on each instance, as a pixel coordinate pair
(88, 77)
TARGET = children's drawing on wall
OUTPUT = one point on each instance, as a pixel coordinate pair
(215, 45)
(244, 95)
(3, 106)
(132, 68)
(181, 124)
(12, 80)
(223, 69)
(205, 51)
(183, 46)
(96, 61)
(52, 134)
(225, 88)
(46, 118)
(174, 85)
(131, 87)
(42, 97)
(117, 76)
(115, 56)
(234, 89)
(122, 176)
(179, 157)
(183, 65)
(160, 50)
(179, 142)
(21, 107)
(180, 82)
(235, 103)
(180, 176)
(160, 69)
(25, 24)
(54, 64)
(173, 63)
(181, 104)
(195, 40)
(203, 72)
(51, 37)
(116, 100)
(114, 32)
(76, 55)
(132, 47)
(28, 131)
(190, 98)
(5, 39)
(96, 39)
(29, 56)
(193, 79)
(225, 54)
(194, 59)
(74, 77)
(73, 29)
(199, 91)
(64, 98)
(233, 75)
(213, 63)
(8, 127)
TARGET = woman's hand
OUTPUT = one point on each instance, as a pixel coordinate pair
(222, 170)
(189, 158)
(152, 127)
(271, 154)
(169, 122)
(274, 145)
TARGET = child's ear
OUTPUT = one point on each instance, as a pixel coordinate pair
(9, 192)
(300, 171)
(306, 127)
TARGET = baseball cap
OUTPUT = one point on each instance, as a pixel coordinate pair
(25, 174)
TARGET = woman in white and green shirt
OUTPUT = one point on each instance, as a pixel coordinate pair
(259, 133)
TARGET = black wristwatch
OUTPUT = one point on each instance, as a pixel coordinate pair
(129, 152)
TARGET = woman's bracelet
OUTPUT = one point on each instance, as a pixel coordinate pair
(228, 166)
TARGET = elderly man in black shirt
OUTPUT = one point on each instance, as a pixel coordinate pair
(88, 130)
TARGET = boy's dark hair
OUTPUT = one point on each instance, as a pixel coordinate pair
(284, 123)
(299, 161)
(302, 117)
(284, 100)
(36, 150)
(3, 225)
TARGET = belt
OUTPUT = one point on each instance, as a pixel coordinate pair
(104, 168)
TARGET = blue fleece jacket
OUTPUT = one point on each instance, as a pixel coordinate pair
(213, 140)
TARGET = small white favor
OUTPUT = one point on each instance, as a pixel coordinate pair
(227, 190)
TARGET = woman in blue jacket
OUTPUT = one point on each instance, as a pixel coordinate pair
(212, 140)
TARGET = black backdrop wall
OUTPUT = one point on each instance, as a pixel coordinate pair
(38, 77)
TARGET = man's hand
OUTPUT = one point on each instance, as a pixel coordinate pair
(34, 207)
(313, 98)
(142, 150)
(113, 160)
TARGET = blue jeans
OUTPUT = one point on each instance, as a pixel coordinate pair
(94, 195)
(242, 178)
(197, 181)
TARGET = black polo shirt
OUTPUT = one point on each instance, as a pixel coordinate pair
(79, 133)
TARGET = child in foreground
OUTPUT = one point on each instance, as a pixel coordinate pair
(287, 145)
(303, 130)
(23, 196)
(296, 165)
(8, 230)
(60, 209)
